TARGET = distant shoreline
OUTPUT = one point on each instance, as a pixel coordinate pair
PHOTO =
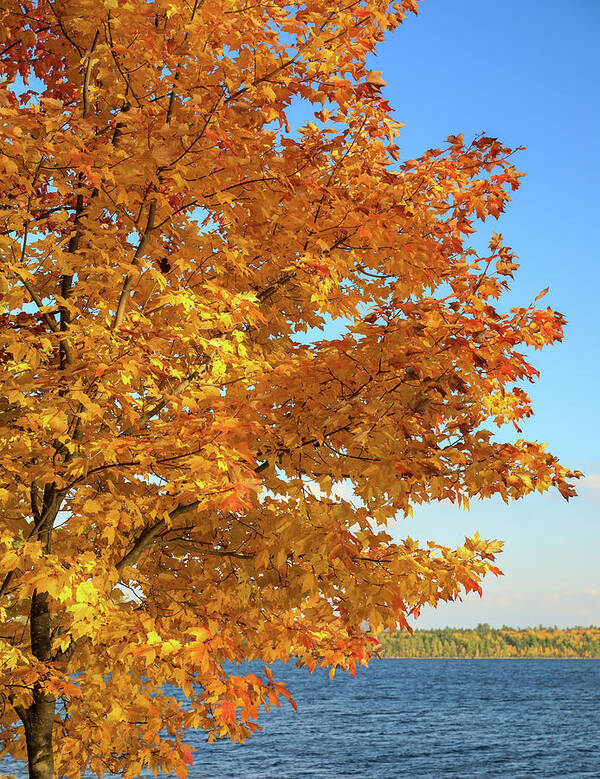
(486, 643)
(523, 657)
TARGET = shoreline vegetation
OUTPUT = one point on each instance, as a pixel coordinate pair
(485, 641)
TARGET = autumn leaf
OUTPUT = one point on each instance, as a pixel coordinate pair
(374, 79)
(226, 712)
(187, 755)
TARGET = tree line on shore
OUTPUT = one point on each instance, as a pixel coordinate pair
(484, 641)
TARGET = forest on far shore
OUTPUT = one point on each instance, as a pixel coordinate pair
(484, 641)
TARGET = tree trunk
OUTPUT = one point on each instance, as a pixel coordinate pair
(38, 719)
(38, 722)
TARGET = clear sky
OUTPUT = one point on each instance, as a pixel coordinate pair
(529, 74)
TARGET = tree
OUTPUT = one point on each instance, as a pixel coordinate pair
(186, 477)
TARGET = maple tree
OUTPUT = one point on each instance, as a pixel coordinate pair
(186, 478)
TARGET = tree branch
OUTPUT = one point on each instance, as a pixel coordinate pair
(213, 552)
(86, 77)
(149, 533)
(128, 282)
(38, 301)
(118, 64)
(64, 32)
(51, 506)
(64, 655)
(156, 409)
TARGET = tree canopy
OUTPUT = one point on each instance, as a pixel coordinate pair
(190, 476)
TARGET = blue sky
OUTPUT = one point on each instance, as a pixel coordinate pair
(527, 73)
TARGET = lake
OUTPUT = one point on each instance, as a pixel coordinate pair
(423, 718)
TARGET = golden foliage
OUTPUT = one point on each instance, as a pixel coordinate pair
(172, 449)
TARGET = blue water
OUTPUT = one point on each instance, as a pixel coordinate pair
(423, 718)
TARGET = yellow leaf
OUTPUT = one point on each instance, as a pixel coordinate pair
(86, 593)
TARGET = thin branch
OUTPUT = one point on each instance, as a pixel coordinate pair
(66, 284)
(118, 64)
(268, 291)
(86, 78)
(215, 552)
(172, 95)
(156, 409)
(50, 321)
(64, 32)
(128, 282)
(37, 300)
(198, 137)
(9, 47)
